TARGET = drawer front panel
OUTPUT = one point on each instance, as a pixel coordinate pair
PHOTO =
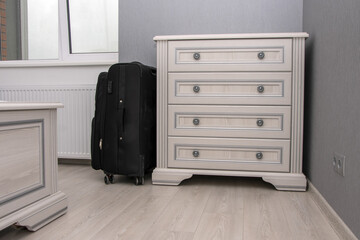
(24, 166)
(230, 55)
(230, 88)
(229, 121)
(229, 154)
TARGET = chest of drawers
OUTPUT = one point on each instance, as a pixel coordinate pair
(29, 194)
(231, 104)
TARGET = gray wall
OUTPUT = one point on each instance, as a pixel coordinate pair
(333, 103)
(141, 20)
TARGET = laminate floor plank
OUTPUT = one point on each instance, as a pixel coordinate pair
(168, 235)
(279, 215)
(133, 221)
(225, 197)
(264, 217)
(184, 211)
(223, 215)
(305, 219)
(220, 226)
(202, 207)
(117, 202)
(84, 217)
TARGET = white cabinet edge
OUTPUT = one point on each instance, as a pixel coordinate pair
(28, 106)
(232, 36)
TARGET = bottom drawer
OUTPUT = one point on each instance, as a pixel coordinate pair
(229, 154)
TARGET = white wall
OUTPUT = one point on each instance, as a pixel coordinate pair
(51, 75)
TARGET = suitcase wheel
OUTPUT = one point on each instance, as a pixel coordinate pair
(108, 178)
(139, 181)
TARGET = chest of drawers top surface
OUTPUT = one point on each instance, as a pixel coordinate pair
(232, 36)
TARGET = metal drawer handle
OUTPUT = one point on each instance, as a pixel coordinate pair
(260, 88)
(259, 155)
(196, 121)
(196, 153)
(261, 55)
(196, 56)
(196, 89)
(260, 122)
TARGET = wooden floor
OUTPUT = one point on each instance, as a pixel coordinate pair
(200, 208)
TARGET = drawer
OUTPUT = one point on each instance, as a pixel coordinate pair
(229, 121)
(229, 154)
(230, 55)
(229, 88)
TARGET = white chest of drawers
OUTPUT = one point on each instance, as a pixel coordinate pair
(29, 194)
(231, 104)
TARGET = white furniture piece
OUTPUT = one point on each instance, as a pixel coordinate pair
(28, 165)
(231, 104)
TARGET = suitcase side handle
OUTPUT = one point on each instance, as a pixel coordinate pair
(153, 71)
(121, 119)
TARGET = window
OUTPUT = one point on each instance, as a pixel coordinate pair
(27, 32)
(39, 34)
(93, 26)
(65, 30)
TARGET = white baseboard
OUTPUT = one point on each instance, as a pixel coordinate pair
(341, 229)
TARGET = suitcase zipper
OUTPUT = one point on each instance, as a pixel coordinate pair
(100, 144)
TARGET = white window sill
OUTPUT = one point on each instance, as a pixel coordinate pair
(53, 63)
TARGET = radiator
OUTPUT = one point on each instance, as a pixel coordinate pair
(74, 120)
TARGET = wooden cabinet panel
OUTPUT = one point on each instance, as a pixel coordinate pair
(21, 161)
(229, 154)
(230, 55)
(229, 121)
(28, 165)
(230, 88)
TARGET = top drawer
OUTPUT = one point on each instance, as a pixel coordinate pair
(230, 55)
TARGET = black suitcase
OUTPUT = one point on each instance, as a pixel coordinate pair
(123, 136)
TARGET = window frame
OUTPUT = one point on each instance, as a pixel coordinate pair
(65, 58)
(24, 30)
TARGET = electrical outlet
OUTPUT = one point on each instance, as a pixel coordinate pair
(339, 164)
